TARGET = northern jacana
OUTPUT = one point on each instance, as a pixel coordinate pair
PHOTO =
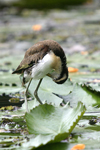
(43, 58)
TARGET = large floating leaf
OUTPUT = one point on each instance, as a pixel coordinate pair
(84, 61)
(88, 65)
(12, 60)
(9, 89)
(86, 94)
(48, 87)
(8, 77)
(84, 77)
(52, 124)
(7, 81)
(89, 135)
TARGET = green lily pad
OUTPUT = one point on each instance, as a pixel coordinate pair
(51, 124)
(48, 87)
(84, 77)
(87, 134)
(86, 94)
(86, 62)
(12, 60)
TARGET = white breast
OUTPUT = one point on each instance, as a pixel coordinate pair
(50, 64)
(43, 67)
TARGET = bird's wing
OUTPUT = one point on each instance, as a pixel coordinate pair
(32, 56)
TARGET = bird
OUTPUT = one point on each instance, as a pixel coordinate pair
(45, 58)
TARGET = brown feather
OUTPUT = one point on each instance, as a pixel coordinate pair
(31, 58)
(37, 52)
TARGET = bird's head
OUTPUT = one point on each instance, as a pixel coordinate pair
(63, 77)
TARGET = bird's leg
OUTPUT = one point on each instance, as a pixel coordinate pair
(36, 90)
(26, 95)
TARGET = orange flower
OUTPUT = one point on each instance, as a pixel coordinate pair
(36, 27)
(71, 69)
(84, 52)
(78, 147)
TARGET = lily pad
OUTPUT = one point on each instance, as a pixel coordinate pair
(48, 87)
(51, 124)
(86, 94)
